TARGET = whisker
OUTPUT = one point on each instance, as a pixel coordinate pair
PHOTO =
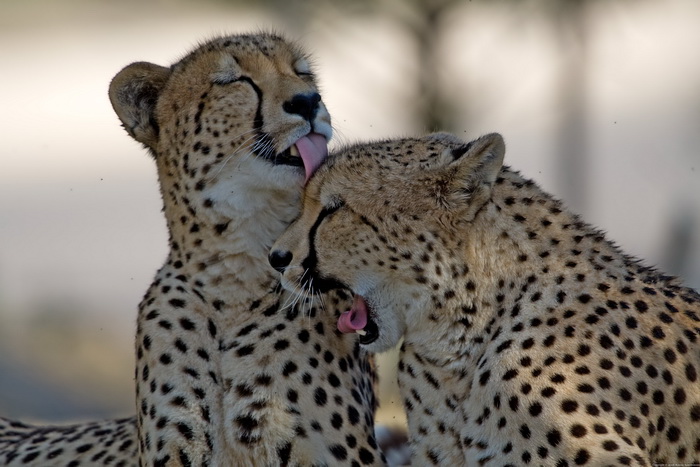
(288, 300)
(299, 289)
(232, 155)
(322, 301)
(310, 302)
(293, 299)
(310, 296)
(263, 148)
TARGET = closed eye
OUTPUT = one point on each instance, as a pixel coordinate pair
(228, 71)
(332, 207)
(223, 78)
(325, 212)
(302, 68)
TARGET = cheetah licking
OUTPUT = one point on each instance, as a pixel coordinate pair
(230, 370)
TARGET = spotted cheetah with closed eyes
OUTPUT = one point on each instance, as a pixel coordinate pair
(529, 339)
(230, 369)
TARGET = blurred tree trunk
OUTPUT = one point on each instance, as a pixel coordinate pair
(434, 111)
(571, 30)
(678, 243)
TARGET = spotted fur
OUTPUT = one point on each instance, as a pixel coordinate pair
(529, 338)
(230, 369)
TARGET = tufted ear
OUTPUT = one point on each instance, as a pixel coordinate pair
(473, 171)
(134, 93)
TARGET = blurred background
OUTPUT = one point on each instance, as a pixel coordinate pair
(599, 102)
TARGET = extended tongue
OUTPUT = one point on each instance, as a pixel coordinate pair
(313, 149)
(354, 319)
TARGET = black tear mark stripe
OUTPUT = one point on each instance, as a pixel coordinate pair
(312, 259)
(258, 122)
(262, 138)
(309, 263)
(264, 143)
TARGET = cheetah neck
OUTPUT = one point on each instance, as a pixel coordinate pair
(223, 242)
(522, 251)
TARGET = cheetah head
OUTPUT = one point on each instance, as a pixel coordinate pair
(375, 215)
(238, 115)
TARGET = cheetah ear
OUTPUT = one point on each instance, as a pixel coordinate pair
(134, 93)
(474, 169)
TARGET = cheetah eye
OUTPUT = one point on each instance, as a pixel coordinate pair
(228, 71)
(302, 68)
(467, 191)
(333, 205)
(225, 77)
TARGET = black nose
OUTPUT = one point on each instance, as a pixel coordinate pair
(305, 105)
(280, 259)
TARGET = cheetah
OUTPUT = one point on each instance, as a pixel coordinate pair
(103, 442)
(528, 337)
(230, 368)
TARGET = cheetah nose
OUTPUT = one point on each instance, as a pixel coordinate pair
(305, 105)
(280, 259)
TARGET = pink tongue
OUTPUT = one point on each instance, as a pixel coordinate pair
(355, 318)
(313, 150)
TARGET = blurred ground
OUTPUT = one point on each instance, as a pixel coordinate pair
(81, 233)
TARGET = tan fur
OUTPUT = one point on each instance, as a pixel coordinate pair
(528, 337)
(230, 369)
